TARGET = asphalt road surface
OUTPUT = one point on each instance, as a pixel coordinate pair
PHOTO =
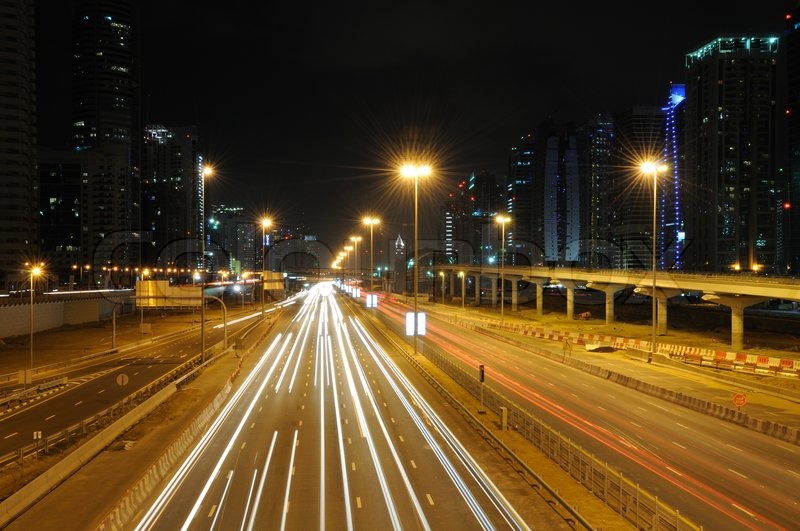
(327, 433)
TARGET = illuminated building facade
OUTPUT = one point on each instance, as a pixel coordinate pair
(791, 207)
(597, 142)
(731, 95)
(639, 134)
(524, 195)
(105, 120)
(171, 202)
(18, 192)
(672, 237)
(556, 168)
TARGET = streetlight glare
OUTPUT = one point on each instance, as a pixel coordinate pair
(415, 170)
(502, 219)
(266, 222)
(652, 167)
(208, 171)
(36, 271)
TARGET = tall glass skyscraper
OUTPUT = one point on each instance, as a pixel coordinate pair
(105, 122)
(18, 184)
(731, 95)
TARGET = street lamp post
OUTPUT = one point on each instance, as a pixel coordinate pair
(208, 171)
(356, 262)
(463, 286)
(347, 249)
(371, 222)
(413, 171)
(653, 168)
(36, 270)
(265, 223)
(441, 274)
(502, 220)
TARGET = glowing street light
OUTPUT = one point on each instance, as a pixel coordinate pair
(652, 168)
(371, 222)
(208, 171)
(35, 271)
(356, 264)
(463, 278)
(415, 171)
(502, 220)
(265, 224)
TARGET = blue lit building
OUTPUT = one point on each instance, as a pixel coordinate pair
(731, 115)
(672, 239)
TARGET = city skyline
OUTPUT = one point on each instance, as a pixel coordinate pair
(306, 115)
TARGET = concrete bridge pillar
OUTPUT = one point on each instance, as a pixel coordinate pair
(737, 304)
(610, 291)
(661, 311)
(514, 294)
(540, 298)
(569, 285)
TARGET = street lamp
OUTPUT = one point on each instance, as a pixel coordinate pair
(208, 171)
(648, 168)
(36, 270)
(347, 249)
(463, 278)
(414, 171)
(265, 224)
(371, 222)
(502, 220)
(441, 275)
(355, 240)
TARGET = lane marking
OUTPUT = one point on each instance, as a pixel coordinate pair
(212, 511)
(8, 436)
(48, 418)
(79, 402)
(738, 473)
(413, 464)
(430, 500)
(745, 511)
(679, 445)
(101, 391)
(358, 502)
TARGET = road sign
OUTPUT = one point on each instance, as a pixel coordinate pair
(122, 379)
(739, 399)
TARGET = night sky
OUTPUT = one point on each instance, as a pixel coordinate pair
(305, 110)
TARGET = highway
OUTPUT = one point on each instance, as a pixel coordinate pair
(327, 433)
(720, 475)
(96, 385)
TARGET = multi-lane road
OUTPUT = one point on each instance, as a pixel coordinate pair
(96, 385)
(327, 433)
(720, 475)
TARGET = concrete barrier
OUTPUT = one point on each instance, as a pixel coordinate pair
(24, 498)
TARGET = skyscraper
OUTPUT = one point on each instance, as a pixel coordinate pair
(105, 119)
(18, 183)
(792, 114)
(639, 135)
(170, 202)
(524, 195)
(557, 168)
(597, 141)
(730, 139)
(672, 234)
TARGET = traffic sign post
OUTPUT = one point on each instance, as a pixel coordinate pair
(739, 399)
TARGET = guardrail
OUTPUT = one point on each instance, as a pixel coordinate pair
(632, 502)
(65, 437)
(637, 505)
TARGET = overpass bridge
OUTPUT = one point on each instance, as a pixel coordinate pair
(734, 291)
